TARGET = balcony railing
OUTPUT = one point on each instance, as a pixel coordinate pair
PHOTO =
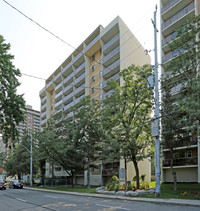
(43, 122)
(92, 42)
(43, 115)
(171, 55)
(178, 15)
(109, 172)
(115, 38)
(43, 107)
(68, 106)
(111, 54)
(67, 98)
(67, 66)
(79, 68)
(78, 56)
(79, 99)
(58, 95)
(107, 94)
(58, 104)
(66, 89)
(115, 77)
(57, 76)
(169, 38)
(79, 78)
(68, 78)
(181, 162)
(79, 89)
(58, 87)
(44, 99)
(169, 5)
(111, 67)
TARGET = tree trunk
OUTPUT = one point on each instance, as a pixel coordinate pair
(72, 180)
(137, 174)
(88, 174)
(52, 176)
(125, 173)
(172, 169)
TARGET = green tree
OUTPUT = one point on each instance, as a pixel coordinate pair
(180, 88)
(126, 114)
(11, 104)
(88, 132)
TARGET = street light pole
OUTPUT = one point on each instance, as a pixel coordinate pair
(31, 158)
(156, 122)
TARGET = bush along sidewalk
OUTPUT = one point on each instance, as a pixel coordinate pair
(125, 190)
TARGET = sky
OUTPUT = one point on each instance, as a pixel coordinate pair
(38, 53)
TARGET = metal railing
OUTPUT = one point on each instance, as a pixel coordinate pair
(178, 15)
(181, 162)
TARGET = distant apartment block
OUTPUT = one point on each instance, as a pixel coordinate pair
(32, 120)
(173, 15)
(86, 71)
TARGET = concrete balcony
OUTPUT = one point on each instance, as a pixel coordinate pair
(193, 161)
(92, 43)
(58, 105)
(79, 99)
(66, 68)
(166, 58)
(107, 94)
(67, 107)
(43, 123)
(44, 100)
(111, 44)
(68, 98)
(80, 90)
(58, 96)
(77, 59)
(79, 70)
(48, 84)
(111, 69)
(68, 89)
(105, 85)
(43, 107)
(58, 88)
(69, 115)
(58, 78)
(43, 115)
(69, 79)
(80, 80)
(111, 57)
(173, 7)
(177, 20)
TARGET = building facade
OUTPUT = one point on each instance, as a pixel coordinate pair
(173, 15)
(86, 71)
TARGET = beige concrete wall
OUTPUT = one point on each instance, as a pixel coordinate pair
(131, 51)
(183, 174)
(144, 168)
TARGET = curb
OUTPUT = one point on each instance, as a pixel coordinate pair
(180, 202)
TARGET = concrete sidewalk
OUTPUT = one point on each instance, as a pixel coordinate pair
(180, 202)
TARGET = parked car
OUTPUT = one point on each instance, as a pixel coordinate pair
(2, 184)
(16, 184)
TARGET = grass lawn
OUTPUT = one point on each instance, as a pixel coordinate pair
(69, 188)
(185, 191)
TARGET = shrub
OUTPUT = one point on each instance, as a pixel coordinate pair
(116, 187)
(114, 180)
(144, 185)
(142, 177)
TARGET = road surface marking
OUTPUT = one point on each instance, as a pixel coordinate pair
(121, 208)
(20, 199)
(53, 197)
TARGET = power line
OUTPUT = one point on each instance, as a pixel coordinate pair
(64, 40)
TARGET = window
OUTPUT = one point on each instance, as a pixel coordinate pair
(93, 57)
(93, 68)
(93, 90)
(100, 74)
(100, 85)
(100, 97)
(93, 79)
(189, 153)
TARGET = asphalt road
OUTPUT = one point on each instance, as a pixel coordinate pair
(21, 200)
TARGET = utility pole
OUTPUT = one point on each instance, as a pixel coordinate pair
(31, 158)
(156, 121)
